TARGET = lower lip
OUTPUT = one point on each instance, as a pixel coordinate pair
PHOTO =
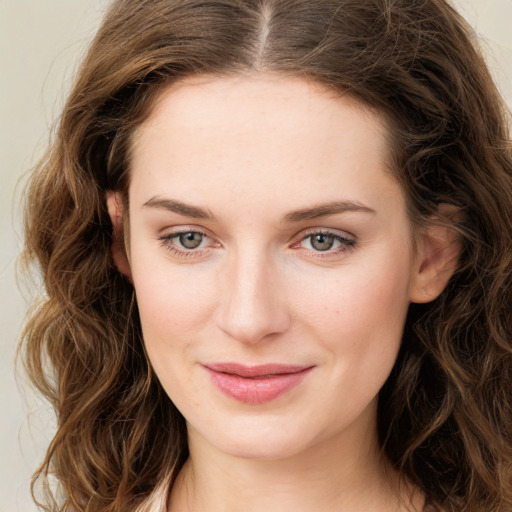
(256, 390)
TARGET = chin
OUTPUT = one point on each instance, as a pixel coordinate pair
(261, 440)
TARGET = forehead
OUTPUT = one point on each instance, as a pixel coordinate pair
(260, 136)
(241, 104)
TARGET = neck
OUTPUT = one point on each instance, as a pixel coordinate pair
(346, 473)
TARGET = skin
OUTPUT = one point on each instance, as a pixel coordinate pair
(249, 151)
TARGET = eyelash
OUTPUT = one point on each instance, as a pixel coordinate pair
(346, 243)
(168, 239)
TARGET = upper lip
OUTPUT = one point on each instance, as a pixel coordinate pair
(260, 370)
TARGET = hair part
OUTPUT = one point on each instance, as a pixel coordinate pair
(445, 413)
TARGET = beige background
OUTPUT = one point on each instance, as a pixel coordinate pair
(40, 44)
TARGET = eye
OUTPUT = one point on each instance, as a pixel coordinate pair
(325, 242)
(187, 242)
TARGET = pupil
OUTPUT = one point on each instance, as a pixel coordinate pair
(322, 242)
(191, 240)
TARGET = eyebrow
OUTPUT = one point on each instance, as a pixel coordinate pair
(175, 206)
(325, 209)
(321, 210)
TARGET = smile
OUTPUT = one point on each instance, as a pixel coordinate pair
(256, 384)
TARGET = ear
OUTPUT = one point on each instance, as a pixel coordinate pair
(118, 249)
(438, 249)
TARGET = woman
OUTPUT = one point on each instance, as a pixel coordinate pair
(276, 242)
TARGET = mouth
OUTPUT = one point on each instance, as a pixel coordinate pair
(255, 384)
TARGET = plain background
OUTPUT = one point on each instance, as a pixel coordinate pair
(41, 42)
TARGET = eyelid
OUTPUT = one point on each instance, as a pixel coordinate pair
(167, 236)
(182, 229)
(339, 233)
(347, 240)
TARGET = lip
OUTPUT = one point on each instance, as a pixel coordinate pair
(255, 384)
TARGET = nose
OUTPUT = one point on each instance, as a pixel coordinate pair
(252, 304)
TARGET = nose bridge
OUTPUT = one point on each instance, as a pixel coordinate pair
(251, 308)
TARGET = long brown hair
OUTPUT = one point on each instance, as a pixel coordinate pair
(445, 413)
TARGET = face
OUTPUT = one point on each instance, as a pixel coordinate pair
(270, 252)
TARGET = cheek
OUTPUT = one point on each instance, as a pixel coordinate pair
(361, 298)
(173, 302)
(358, 319)
(175, 309)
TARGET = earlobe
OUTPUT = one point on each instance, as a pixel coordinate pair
(118, 249)
(437, 259)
